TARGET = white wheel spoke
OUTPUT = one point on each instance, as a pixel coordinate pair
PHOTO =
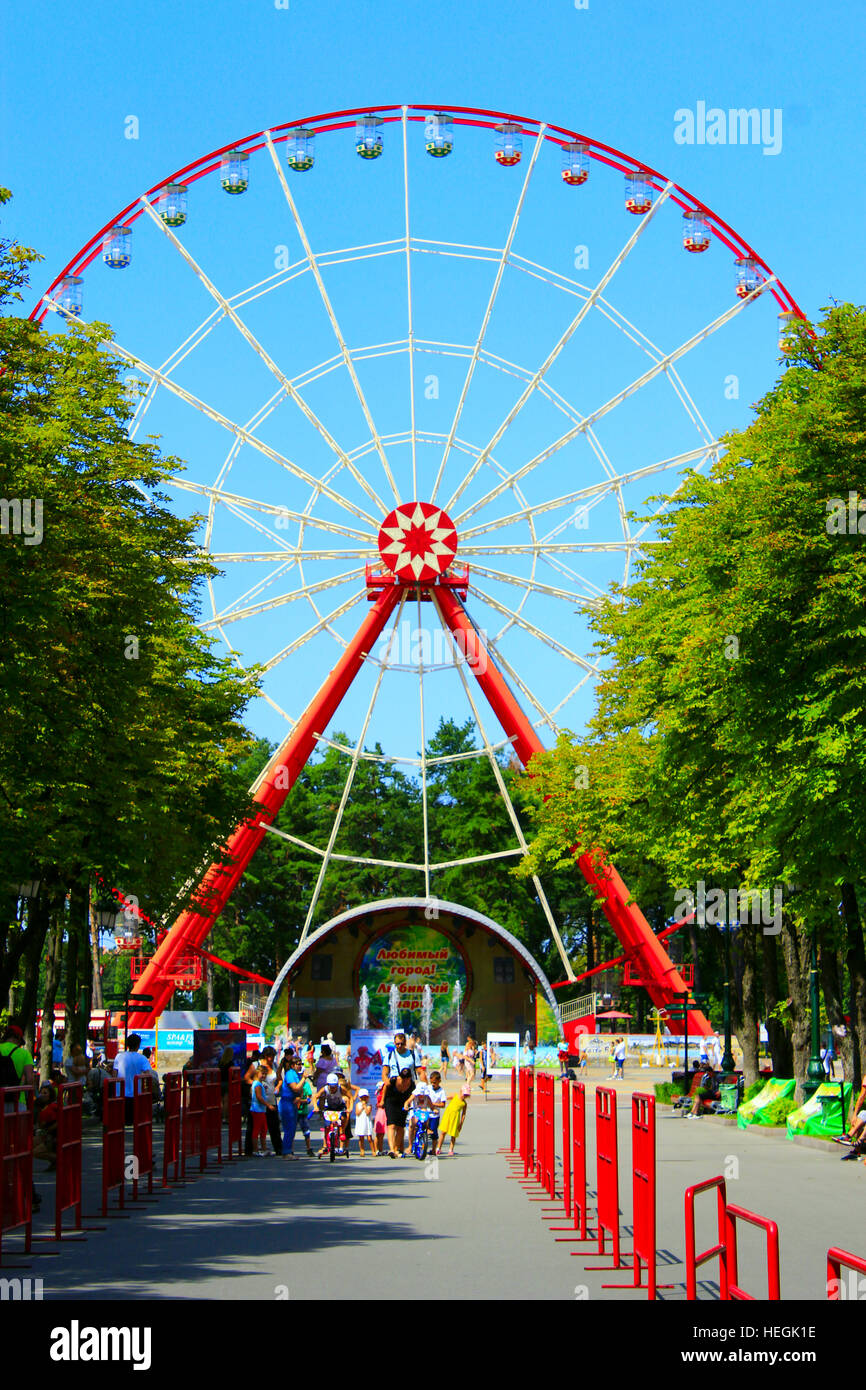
(534, 585)
(267, 508)
(239, 556)
(312, 632)
(555, 352)
(594, 490)
(317, 275)
(265, 357)
(503, 261)
(240, 433)
(536, 631)
(234, 615)
(350, 777)
(616, 400)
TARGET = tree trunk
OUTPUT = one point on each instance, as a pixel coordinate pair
(76, 938)
(39, 918)
(856, 961)
(52, 980)
(796, 953)
(96, 978)
(749, 1032)
(781, 1051)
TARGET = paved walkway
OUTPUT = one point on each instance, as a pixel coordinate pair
(372, 1228)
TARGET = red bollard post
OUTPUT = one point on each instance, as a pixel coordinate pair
(235, 1114)
(142, 1134)
(607, 1181)
(113, 1137)
(171, 1134)
(513, 1144)
(16, 1164)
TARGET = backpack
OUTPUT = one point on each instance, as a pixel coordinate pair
(8, 1071)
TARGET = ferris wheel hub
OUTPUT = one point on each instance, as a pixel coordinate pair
(417, 542)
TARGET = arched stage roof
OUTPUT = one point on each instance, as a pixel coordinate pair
(388, 905)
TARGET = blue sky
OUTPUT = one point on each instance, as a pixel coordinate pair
(197, 76)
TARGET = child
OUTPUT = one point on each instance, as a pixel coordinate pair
(258, 1111)
(452, 1119)
(380, 1127)
(330, 1097)
(421, 1107)
(437, 1098)
(364, 1122)
(302, 1104)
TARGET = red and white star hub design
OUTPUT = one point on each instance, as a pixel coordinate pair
(417, 542)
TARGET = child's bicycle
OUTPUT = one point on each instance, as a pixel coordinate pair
(423, 1135)
(333, 1135)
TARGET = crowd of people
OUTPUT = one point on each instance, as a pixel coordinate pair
(286, 1092)
(281, 1095)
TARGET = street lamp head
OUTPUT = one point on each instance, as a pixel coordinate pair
(29, 890)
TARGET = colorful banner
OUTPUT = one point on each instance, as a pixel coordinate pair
(368, 1051)
(411, 957)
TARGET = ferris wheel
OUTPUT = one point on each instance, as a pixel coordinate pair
(418, 441)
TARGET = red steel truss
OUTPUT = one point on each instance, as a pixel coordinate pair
(663, 981)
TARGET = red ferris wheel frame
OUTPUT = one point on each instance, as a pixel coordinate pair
(463, 115)
(665, 984)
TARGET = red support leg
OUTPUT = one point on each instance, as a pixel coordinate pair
(221, 879)
(631, 927)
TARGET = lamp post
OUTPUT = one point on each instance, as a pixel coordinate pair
(815, 1069)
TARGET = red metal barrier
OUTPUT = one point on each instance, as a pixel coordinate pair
(113, 1156)
(565, 1102)
(235, 1114)
(213, 1114)
(142, 1134)
(549, 1160)
(643, 1158)
(16, 1162)
(67, 1184)
(732, 1216)
(693, 1259)
(577, 1165)
(527, 1131)
(193, 1130)
(726, 1246)
(513, 1143)
(171, 1136)
(607, 1168)
(836, 1258)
